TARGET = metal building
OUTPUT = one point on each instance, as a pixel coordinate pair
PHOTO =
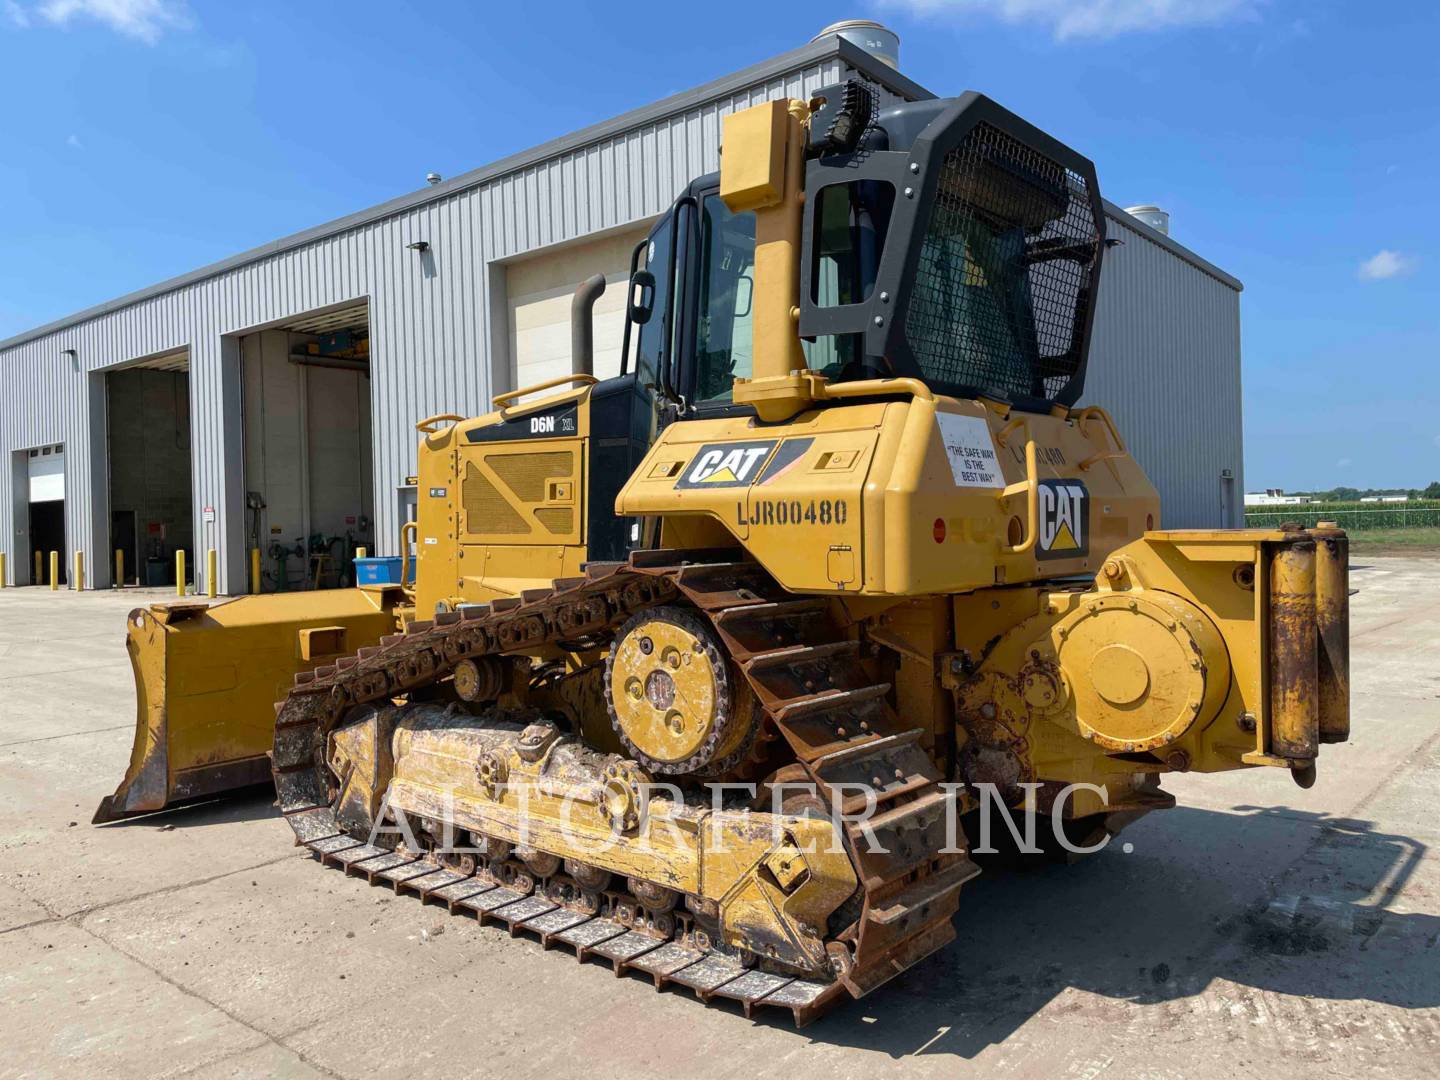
(269, 400)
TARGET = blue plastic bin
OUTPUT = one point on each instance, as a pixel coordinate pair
(378, 571)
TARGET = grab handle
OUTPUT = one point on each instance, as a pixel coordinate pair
(1029, 487)
(412, 528)
(871, 387)
(577, 377)
(431, 423)
(1094, 412)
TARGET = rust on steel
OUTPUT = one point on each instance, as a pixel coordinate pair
(1332, 622)
(1294, 692)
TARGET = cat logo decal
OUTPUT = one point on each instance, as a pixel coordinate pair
(718, 465)
(1064, 520)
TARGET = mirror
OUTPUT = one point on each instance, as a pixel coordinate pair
(642, 297)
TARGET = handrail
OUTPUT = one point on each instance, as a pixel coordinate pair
(1003, 435)
(1091, 412)
(1030, 487)
(413, 528)
(629, 301)
(673, 325)
(499, 401)
(868, 387)
(429, 424)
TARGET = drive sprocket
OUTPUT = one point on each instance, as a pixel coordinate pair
(673, 698)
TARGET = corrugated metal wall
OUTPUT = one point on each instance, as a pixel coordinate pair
(430, 319)
(1165, 361)
(1166, 357)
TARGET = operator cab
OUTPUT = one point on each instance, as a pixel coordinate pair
(947, 241)
(950, 241)
(695, 320)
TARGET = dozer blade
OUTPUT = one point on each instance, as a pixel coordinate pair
(207, 678)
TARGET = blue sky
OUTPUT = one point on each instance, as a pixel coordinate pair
(1296, 144)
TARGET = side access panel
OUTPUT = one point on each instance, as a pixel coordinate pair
(791, 493)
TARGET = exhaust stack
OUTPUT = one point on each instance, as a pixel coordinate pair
(582, 325)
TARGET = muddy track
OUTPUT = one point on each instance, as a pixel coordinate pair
(806, 674)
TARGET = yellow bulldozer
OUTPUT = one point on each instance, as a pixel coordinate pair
(709, 669)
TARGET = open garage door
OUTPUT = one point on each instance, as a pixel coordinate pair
(45, 470)
(152, 514)
(309, 457)
(540, 289)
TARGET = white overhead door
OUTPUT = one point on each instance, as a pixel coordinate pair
(541, 289)
(47, 474)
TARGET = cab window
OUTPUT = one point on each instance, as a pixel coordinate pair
(723, 328)
(850, 222)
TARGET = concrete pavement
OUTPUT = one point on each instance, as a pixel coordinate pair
(1258, 930)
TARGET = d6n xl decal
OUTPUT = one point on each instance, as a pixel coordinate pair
(557, 422)
(1064, 520)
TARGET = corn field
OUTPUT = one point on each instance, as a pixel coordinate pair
(1354, 516)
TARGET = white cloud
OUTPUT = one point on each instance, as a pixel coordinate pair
(73, 141)
(1343, 463)
(1387, 264)
(144, 20)
(1067, 19)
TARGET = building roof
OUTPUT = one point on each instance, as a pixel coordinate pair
(809, 54)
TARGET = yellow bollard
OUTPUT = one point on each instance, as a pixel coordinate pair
(180, 572)
(211, 561)
(255, 571)
(39, 578)
(119, 568)
(78, 582)
(2, 569)
(54, 571)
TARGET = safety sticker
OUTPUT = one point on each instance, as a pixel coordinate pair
(970, 450)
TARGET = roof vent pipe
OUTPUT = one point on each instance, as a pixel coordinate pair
(1157, 219)
(582, 325)
(879, 41)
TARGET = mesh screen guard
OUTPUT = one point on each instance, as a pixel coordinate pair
(1000, 294)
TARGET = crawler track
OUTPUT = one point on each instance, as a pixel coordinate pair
(710, 974)
(807, 676)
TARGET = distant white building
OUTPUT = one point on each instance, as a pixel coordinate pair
(1274, 497)
(1385, 498)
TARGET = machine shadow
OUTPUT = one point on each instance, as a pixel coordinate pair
(251, 803)
(1265, 897)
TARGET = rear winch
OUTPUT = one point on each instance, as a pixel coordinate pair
(1143, 667)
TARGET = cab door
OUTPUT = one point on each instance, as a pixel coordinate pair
(715, 339)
